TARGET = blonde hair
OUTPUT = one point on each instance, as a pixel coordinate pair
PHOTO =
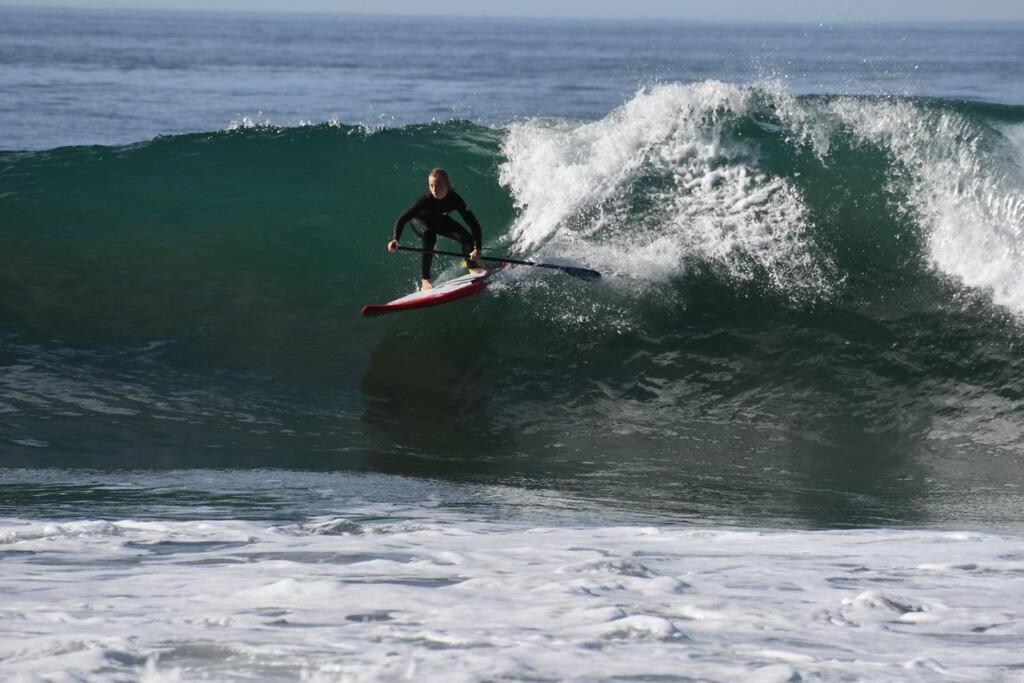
(442, 174)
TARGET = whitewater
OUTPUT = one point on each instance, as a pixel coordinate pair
(392, 593)
(780, 440)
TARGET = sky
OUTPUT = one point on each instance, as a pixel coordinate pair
(812, 11)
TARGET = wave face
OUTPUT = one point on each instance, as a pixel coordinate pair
(800, 293)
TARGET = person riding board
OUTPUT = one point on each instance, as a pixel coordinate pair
(429, 218)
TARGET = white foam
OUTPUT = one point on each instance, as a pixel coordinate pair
(441, 596)
(656, 186)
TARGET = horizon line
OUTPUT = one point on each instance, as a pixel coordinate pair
(514, 17)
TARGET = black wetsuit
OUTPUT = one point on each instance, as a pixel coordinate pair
(429, 218)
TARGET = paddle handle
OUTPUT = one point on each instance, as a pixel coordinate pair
(584, 273)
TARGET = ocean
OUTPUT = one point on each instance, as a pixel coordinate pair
(781, 439)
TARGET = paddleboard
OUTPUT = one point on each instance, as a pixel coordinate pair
(445, 292)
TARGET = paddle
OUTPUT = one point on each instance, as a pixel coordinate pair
(583, 273)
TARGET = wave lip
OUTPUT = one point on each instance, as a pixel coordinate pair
(964, 180)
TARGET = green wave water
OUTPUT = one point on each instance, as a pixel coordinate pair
(802, 296)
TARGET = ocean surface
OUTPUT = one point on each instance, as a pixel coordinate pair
(781, 439)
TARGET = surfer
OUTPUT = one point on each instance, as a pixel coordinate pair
(429, 218)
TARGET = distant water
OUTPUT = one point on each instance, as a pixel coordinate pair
(73, 77)
(781, 439)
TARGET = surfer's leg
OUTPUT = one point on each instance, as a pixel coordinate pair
(429, 238)
(453, 230)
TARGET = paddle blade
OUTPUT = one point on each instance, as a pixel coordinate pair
(583, 273)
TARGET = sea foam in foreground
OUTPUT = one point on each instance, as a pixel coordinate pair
(442, 596)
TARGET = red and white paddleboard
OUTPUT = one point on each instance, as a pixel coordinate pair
(452, 290)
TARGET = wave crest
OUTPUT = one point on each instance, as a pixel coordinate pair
(661, 185)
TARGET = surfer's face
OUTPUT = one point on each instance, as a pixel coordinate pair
(438, 188)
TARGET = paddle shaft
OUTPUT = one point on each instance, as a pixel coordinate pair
(584, 273)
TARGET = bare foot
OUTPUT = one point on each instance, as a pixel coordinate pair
(477, 271)
(425, 285)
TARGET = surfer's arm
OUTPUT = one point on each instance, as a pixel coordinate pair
(407, 216)
(471, 221)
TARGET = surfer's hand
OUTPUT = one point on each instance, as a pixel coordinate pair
(393, 246)
(474, 255)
